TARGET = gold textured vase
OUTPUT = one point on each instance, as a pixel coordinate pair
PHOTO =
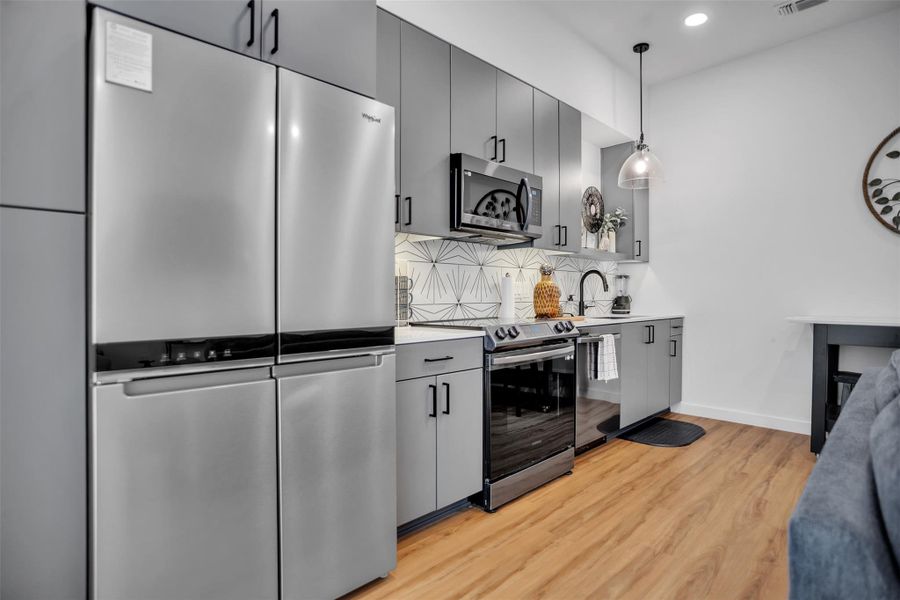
(546, 295)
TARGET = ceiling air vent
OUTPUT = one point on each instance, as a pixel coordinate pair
(789, 8)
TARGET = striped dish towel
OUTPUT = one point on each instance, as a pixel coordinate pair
(602, 359)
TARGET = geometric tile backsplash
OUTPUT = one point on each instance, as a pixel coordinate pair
(456, 280)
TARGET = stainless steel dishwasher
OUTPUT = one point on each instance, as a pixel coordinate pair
(338, 440)
(598, 405)
(184, 486)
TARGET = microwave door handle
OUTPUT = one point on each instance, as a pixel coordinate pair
(523, 185)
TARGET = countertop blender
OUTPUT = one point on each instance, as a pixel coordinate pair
(622, 303)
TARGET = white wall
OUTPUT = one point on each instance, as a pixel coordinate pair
(526, 42)
(761, 216)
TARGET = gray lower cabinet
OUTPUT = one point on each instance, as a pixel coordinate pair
(232, 24)
(424, 133)
(633, 240)
(546, 164)
(42, 107)
(328, 40)
(43, 418)
(570, 188)
(515, 123)
(439, 442)
(644, 370)
(676, 352)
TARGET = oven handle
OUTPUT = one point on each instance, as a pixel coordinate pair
(598, 338)
(519, 359)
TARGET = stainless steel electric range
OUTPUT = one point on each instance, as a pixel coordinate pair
(529, 403)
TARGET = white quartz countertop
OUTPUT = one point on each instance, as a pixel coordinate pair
(840, 320)
(415, 335)
(595, 321)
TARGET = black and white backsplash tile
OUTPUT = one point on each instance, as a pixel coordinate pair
(457, 280)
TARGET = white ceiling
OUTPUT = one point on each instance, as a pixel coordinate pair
(735, 28)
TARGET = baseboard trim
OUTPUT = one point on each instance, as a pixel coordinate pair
(743, 417)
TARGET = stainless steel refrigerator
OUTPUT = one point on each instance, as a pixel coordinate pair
(336, 373)
(183, 407)
(243, 407)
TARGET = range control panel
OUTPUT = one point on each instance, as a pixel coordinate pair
(516, 333)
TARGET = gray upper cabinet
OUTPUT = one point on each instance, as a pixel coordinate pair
(515, 123)
(387, 87)
(42, 108)
(546, 164)
(232, 24)
(328, 40)
(43, 471)
(633, 240)
(424, 128)
(459, 436)
(473, 106)
(570, 188)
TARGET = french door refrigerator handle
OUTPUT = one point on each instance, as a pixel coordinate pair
(252, 6)
(446, 410)
(196, 381)
(330, 365)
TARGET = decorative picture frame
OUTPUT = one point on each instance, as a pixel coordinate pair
(883, 203)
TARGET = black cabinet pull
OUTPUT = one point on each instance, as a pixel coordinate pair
(433, 412)
(653, 334)
(275, 16)
(252, 6)
(396, 209)
(494, 139)
(673, 348)
(409, 212)
(638, 244)
(446, 411)
(565, 228)
(503, 141)
(647, 339)
(443, 358)
(558, 234)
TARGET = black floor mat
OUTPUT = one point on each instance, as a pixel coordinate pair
(665, 432)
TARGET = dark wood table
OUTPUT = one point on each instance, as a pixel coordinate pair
(829, 334)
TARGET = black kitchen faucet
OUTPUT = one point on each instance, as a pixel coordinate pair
(581, 288)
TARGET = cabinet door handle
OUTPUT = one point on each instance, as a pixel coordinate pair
(673, 348)
(503, 141)
(252, 6)
(493, 138)
(433, 412)
(441, 359)
(408, 212)
(565, 229)
(558, 229)
(647, 338)
(638, 244)
(446, 410)
(275, 16)
(396, 209)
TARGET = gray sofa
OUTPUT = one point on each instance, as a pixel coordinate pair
(844, 535)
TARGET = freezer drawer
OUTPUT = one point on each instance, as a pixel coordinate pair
(335, 210)
(185, 488)
(338, 474)
(182, 191)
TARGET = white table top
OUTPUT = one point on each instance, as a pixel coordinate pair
(841, 320)
(414, 335)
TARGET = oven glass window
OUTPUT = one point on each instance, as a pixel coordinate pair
(499, 200)
(532, 413)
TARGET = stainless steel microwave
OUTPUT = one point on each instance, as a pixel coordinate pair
(492, 202)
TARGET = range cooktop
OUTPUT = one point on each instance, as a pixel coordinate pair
(500, 333)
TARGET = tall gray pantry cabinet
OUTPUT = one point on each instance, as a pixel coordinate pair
(43, 337)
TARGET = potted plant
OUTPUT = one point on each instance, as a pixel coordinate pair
(612, 222)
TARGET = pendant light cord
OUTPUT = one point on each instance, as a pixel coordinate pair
(641, 84)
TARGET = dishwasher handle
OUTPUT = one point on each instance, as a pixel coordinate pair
(589, 339)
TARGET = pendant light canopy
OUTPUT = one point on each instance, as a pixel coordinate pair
(642, 166)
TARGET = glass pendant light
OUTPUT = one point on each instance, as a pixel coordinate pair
(642, 166)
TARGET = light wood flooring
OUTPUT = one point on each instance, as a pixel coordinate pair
(632, 521)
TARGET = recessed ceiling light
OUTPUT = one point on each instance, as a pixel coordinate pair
(695, 19)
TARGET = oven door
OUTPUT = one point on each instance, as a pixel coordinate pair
(493, 199)
(530, 401)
